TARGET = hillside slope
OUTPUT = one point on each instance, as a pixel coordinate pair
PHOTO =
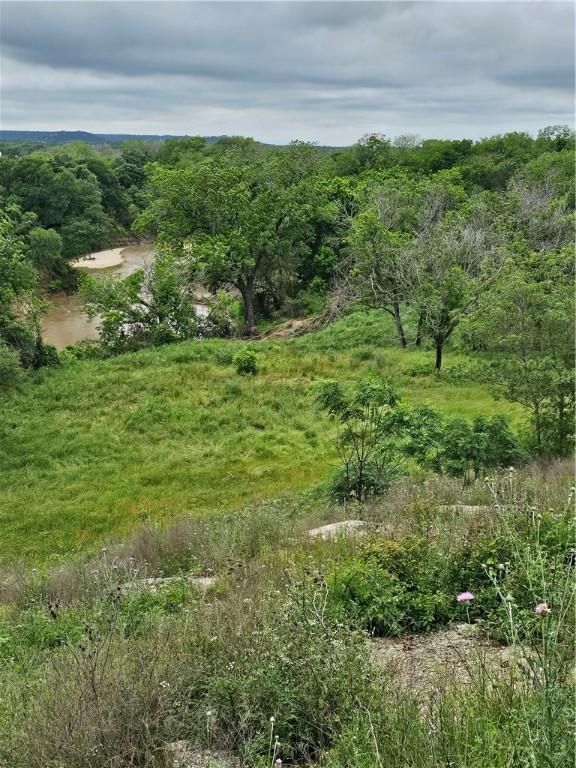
(91, 449)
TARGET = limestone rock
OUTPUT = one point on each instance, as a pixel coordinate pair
(153, 584)
(464, 509)
(334, 530)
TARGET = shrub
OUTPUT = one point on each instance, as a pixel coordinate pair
(361, 354)
(377, 476)
(84, 350)
(11, 372)
(245, 361)
(392, 587)
(425, 369)
(224, 316)
(460, 373)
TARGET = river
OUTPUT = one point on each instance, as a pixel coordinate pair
(66, 322)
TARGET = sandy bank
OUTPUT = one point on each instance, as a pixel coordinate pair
(101, 259)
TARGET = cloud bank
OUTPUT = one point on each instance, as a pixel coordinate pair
(323, 71)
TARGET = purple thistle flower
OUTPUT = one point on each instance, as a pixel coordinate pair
(542, 609)
(465, 597)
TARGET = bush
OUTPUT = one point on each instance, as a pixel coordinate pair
(460, 373)
(368, 460)
(84, 350)
(11, 371)
(392, 587)
(224, 316)
(245, 361)
(425, 369)
(511, 565)
(46, 355)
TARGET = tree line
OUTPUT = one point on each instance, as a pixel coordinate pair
(447, 237)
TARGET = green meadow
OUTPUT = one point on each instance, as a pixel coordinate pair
(93, 448)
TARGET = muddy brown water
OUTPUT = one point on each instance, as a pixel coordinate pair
(67, 323)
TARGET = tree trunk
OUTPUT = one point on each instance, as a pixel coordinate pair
(419, 329)
(538, 427)
(246, 288)
(439, 348)
(399, 326)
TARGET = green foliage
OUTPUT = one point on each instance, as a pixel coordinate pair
(224, 315)
(458, 447)
(528, 318)
(11, 372)
(245, 361)
(367, 463)
(150, 307)
(253, 222)
(64, 192)
(20, 306)
(391, 588)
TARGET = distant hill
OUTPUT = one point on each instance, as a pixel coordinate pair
(64, 137)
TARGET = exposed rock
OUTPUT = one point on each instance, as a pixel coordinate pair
(153, 584)
(183, 754)
(464, 509)
(344, 528)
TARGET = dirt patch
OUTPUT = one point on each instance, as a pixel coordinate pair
(182, 754)
(290, 329)
(455, 655)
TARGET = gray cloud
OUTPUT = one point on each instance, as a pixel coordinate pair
(326, 71)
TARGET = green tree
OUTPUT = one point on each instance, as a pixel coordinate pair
(376, 277)
(20, 306)
(457, 447)
(240, 225)
(454, 263)
(45, 251)
(369, 460)
(150, 307)
(527, 317)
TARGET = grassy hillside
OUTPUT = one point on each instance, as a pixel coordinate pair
(93, 448)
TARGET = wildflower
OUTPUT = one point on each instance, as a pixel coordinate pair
(272, 719)
(465, 597)
(164, 684)
(209, 713)
(542, 609)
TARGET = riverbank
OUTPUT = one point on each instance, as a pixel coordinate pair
(102, 259)
(67, 323)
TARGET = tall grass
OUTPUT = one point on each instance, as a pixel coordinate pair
(109, 680)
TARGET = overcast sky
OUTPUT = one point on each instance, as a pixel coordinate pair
(321, 71)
